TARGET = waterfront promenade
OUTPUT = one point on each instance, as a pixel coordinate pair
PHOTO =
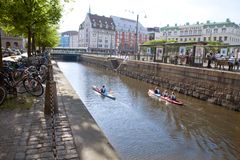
(27, 133)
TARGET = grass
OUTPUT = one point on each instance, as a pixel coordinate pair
(22, 101)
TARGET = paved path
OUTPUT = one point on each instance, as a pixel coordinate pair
(28, 134)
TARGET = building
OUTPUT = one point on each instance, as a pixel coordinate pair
(97, 33)
(227, 32)
(153, 33)
(69, 39)
(125, 38)
(10, 41)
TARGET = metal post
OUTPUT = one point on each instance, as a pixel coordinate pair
(51, 102)
(136, 46)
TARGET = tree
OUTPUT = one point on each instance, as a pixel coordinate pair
(213, 46)
(27, 15)
(47, 36)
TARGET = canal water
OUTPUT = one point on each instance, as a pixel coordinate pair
(142, 128)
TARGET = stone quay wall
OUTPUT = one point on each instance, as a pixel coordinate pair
(218, 87)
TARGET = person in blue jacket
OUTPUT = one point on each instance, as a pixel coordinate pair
(173, 96)
(103, 89)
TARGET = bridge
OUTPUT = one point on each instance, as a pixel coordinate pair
(67, 53)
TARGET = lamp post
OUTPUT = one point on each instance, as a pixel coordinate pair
(136, 45)
(137, 35)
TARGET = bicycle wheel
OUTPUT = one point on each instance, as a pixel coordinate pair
(3, 94)
(43, 73)
(33, 86)
(21, 88)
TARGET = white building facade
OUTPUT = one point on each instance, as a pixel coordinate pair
(227, 32)
(97, 33)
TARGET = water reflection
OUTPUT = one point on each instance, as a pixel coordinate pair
(143, 128)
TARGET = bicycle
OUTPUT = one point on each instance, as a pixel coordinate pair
(3, 94)
(25, 84)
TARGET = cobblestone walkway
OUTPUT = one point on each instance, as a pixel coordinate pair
(27, 134)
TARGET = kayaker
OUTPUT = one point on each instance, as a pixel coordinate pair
(173, 96)
(165, 93)
(156, 90)
(103, 89)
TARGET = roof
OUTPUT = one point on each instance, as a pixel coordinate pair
(127, 25)
(101, 22)
(70, 33)
(220, 24)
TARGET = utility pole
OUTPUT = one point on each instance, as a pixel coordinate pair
(136, 45)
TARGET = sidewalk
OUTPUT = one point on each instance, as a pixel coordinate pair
(27, 134)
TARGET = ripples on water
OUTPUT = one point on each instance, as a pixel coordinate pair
(143, 128)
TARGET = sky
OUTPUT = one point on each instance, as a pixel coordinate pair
(152, 13)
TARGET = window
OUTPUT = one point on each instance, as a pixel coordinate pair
(194, 39)
(175, 33)
(204, 38)
(181, 39)
(209, 38)
(181, 32)
(225, 38)
(106, 41)
(215, 30)
(224, 30)
(220, 39)
(190, 32)
(199, 39)
(100, 45)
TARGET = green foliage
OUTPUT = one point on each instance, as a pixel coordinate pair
(215, 43)
(23, 102)
(213, 46)
(26, 16)
(47, 36)
(155, 42)
(158, 42)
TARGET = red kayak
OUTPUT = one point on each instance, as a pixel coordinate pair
(172, 101)
(151, 93)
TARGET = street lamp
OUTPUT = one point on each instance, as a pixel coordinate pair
(136, 45)
(136, 42)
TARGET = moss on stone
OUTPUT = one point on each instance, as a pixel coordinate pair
(18, 102)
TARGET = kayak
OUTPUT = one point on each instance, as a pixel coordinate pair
(151, 93)
(103, 94)
(172, 101)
